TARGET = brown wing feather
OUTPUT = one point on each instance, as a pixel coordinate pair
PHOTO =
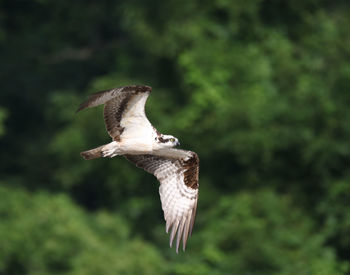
(102, 97)
(116, 102)
(113, 112)
(191, 167)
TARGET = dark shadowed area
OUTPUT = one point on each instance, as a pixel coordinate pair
(259, 89)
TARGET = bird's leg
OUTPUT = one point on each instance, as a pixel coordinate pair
(111, 149)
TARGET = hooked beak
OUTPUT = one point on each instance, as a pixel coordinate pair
(177, 143)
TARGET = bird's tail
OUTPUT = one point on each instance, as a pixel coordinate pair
(93, 153)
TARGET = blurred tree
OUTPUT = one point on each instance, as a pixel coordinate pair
(262, 233)
(259, 89)
(3, 115)
(46, 234)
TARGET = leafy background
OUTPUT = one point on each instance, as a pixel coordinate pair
(259, 89)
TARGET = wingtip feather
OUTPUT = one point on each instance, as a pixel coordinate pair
(173, 232)
(179, 234)
(186, 231)
(168, 225)
(79, 109)
(193, 217)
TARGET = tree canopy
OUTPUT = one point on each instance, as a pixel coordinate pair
(259, 89)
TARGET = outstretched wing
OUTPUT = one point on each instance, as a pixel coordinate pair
(177, 171)
(124, 110)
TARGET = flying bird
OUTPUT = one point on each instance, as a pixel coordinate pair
(134, 137)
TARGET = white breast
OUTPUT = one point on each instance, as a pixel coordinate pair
(138, 134)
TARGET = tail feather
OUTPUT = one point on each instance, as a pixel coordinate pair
(93, 153)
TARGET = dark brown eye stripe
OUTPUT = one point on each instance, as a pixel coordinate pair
(163, 140)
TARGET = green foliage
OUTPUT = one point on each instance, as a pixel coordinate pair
(262, 233)
(259, 89)
(3, 116)
(48, 234)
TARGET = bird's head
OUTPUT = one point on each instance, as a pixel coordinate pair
(167, 141)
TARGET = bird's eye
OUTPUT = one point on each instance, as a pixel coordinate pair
(172, 139)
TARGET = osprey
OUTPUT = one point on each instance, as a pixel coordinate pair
(134, 137)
